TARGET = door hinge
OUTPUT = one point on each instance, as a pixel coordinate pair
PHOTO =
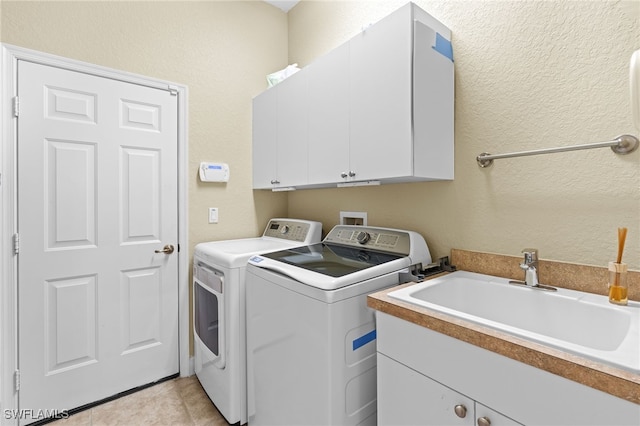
(16, 243)
(173, 90)
(16, 106)
(16, 380)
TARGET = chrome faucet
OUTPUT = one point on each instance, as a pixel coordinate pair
(530, 267)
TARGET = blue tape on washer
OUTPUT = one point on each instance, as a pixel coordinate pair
(363, 340)
(443, 46)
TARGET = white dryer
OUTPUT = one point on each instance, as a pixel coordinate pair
(219, 309)
(311, 339)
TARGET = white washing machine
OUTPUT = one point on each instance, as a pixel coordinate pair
(219, 309)
(311, 339)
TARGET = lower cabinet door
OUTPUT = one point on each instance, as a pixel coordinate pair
(485, 416)
(406, 397)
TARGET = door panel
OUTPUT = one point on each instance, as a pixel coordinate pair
(140, 195)
(71, 318)
(97, 195)
(70, 191)
(142, 309)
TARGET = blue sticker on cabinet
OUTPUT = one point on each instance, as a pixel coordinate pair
(443, 46)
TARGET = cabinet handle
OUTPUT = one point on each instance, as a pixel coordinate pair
(343, 175)
(460, 410)
(274, 181)
(484, 421)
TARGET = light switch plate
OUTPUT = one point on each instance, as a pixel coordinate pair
(213, 215)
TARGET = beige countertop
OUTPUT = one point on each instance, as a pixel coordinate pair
(615, 381)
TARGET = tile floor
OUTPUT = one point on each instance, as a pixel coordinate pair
(180, 401)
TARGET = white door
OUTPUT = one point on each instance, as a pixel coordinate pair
(97, 195)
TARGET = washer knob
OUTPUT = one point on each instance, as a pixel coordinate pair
(363, 237)
(284, 229)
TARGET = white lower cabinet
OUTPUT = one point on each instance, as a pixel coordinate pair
(424, 377)
(406, 397)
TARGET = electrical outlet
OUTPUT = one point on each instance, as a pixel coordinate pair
(213, 215)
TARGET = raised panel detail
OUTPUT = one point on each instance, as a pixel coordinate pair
(141, 309)
(68, 104)
(70, 329)
(140, 195)
(70, 194)
(139, 116)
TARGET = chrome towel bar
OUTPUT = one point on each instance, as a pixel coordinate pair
(623, 144)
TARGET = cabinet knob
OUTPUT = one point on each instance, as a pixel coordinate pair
(274, 181)
(460, 410)
(344, 174)
(484, 421)
(352, 173)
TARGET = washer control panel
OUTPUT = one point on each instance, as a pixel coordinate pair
(294, 230)
(381, 239)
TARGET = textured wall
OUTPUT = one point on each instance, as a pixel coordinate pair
(220, 50)
(529, 74)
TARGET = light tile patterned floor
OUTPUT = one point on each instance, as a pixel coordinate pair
(180, 401)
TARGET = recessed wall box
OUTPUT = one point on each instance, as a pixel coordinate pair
(214, 172)
(353, 218)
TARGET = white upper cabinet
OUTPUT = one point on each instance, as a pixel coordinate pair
(292, 130)
(380, 98)
(264, 140)
(280, 132)
(377, 108)
(329, 116)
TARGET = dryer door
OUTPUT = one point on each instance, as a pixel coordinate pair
(209, 321)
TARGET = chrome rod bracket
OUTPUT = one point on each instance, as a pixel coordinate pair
(484, 162)
(624, 144)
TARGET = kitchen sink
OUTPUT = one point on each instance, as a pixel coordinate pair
(581, 323)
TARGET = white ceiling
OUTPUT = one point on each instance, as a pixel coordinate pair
(283, 4)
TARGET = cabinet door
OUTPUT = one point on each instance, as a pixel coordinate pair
(492, 417)
(380, 98)
(264, 139)
(406, 397)
(329, 116)
(292, 130)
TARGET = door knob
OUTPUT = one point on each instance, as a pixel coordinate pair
(168, 249)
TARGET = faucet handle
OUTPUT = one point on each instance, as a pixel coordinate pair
(530, 256)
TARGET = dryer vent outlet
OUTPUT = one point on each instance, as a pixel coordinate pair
(353, 218)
